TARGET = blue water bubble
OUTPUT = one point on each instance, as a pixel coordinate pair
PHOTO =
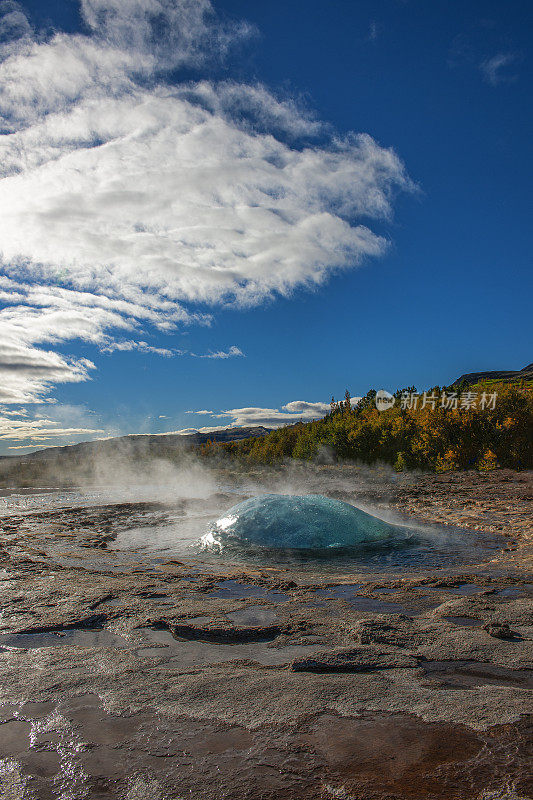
(300, 522)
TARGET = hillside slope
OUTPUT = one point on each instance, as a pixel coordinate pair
(526, 373)
(88, 461)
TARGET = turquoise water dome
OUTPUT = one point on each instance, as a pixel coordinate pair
(298, 522)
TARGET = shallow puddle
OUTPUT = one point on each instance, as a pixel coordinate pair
(470, 674)
(348, 593)
(466, 589)
(65, 638)
(182, 652)
(14, 737)
(253, 615)
(143, 756)
(73, 749)
(198, 620)
(240, 591)
(519, 591)
(412, 758)
(465, 622)
(188, 653)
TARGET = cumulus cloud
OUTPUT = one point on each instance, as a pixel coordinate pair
(291, 412)
(27, 372)
(270, 417)
(14, 28)
(35, 314)
(60, 422)
(305, 408)
(128, 194)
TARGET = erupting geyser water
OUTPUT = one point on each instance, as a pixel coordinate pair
(299, 522)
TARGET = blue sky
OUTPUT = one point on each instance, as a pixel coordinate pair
(196, 226)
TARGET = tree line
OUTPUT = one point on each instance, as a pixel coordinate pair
(485, 426)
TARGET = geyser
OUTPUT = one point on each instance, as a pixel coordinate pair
(299, 522)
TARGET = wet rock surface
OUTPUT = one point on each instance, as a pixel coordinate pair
(125, 678)
(353, 659)
(80, 745)
(498, 501)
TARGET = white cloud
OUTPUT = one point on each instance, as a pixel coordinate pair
(233, 352)
(273, 417)
(495, 69)
(253, 415)
(59, 423)
(188, 431)
(166, 33)
(182, 202)
(14, 28)
(305, 408)
(50, 314)
(140, 195)
(141, 347)
(27, 372)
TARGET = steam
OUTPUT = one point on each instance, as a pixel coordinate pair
(123, 470)
(157, 480)
(193, 493)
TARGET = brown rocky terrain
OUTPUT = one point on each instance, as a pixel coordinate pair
(125, 677)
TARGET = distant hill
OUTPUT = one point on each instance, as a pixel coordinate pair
(143, 443)
(77, 463)
(496, 375)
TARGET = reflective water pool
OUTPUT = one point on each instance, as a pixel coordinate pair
(279, 533)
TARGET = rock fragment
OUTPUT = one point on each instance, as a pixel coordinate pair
(353, 659)
(499, 631)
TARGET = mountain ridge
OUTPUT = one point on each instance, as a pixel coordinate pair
(471, 378)
(139, 443)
